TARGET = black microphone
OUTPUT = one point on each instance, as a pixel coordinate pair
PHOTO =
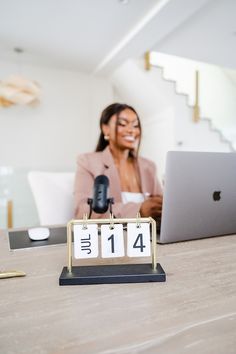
(100, 201)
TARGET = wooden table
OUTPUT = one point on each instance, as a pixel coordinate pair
(193, 312)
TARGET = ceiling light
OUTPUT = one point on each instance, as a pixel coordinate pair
(124, 2)
(18, 90)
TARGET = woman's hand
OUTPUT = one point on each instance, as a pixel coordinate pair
(152, 207)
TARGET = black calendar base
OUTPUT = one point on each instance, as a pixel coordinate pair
(111, 274)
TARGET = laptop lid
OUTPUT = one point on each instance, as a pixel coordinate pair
(199, 196)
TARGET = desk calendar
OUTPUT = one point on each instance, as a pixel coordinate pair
(112, 238)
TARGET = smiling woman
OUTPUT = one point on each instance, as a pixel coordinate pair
(133, 181)
(122, 132)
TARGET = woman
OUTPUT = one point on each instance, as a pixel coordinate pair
(133, 181)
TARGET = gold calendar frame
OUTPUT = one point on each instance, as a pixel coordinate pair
(111, 221)
(76, 275)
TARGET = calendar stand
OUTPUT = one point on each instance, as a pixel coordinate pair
(109, 274)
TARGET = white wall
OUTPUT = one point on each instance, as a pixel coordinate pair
(61, 126)
(51, 135)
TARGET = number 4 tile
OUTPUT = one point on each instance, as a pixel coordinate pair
(138, 240)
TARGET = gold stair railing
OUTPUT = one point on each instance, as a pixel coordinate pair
(9, 214)
(196, 108)
(147, 61)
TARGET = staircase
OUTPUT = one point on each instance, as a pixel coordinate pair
(184, 123)
(166, 116)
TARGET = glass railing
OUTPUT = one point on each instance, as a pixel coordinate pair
(17, 207)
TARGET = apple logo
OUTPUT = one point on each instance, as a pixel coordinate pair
(216, 195)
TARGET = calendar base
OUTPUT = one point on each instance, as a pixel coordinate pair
(111, 274)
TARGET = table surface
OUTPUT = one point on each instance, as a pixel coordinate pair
(194, 311)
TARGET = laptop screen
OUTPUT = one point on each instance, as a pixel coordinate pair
(199, 195)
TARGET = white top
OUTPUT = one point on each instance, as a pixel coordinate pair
(128, 197)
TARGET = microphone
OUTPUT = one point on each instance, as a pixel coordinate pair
(100, 202)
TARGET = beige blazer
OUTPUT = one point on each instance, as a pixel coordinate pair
(93, 164)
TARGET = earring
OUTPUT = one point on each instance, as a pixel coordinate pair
(106, 137)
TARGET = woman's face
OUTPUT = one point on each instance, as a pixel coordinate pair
(127, 133)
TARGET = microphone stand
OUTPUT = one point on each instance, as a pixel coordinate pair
(110, 201)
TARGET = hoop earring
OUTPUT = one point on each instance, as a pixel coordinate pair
(106, 137)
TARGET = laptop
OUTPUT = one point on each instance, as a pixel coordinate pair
(199, 196)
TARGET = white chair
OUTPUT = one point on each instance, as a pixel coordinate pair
(53, 195)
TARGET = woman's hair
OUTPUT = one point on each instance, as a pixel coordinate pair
(107, 113)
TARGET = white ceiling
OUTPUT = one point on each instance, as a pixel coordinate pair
(97, 35)
(209, 35)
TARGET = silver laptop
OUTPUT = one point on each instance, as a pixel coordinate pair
(199, 196)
